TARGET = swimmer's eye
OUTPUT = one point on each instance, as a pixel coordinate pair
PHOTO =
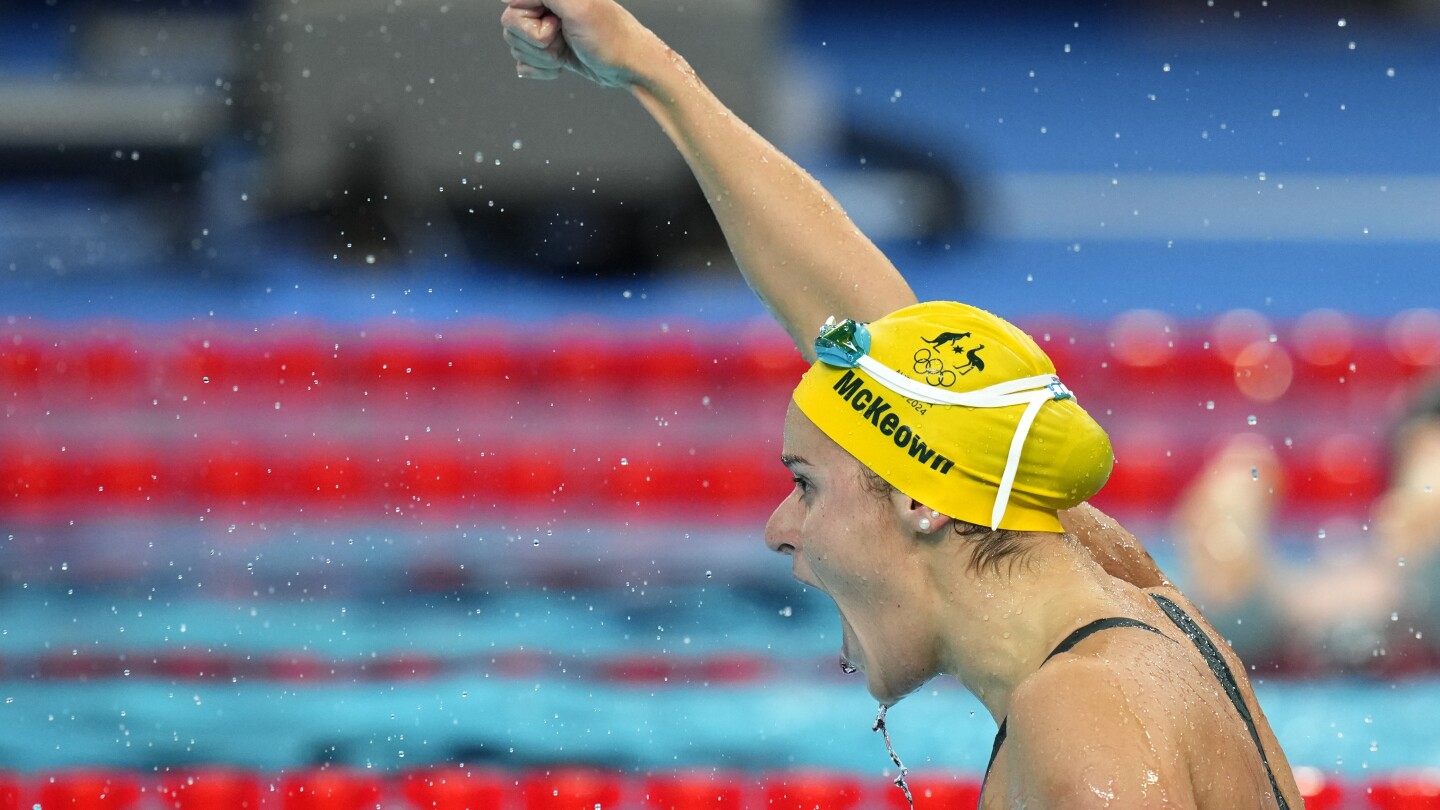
(802, 485)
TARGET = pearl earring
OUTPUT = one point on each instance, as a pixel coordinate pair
(924, 524)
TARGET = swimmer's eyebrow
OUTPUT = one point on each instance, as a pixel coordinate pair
(790, 460)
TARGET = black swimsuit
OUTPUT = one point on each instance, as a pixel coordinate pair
(1207, 649)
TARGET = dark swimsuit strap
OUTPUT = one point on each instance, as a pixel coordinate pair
(1208, 651)
(1223, 674)
(1070, 641)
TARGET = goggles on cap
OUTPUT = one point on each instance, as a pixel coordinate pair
(846, 344)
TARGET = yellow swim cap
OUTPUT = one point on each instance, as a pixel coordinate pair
(961, 411)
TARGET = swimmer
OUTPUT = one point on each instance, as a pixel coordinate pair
(1382, 585)
(944, 512)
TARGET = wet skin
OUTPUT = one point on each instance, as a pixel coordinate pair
(861, 551)
(1128, 716)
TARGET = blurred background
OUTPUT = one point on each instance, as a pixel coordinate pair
(379, 430)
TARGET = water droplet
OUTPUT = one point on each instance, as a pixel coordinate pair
(1251, 420)
(1209, 404)
(1394, 616)
(536, 541)
(709, 574)
(786, 611)
(1320, 534)
(1400, 562)
(1255, 473)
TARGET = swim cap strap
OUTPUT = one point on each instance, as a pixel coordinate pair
(1012, 461)
(1000, 395)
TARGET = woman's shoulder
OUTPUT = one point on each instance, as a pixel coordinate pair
(1095, 719)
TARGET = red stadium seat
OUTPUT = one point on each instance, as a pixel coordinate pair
(330, 789)
(433, 474)
(22, 354)
(698, 790)
(232, 473)
(813, 790)
(82, 789)
(211, 789)
(577, 360)
(750, 478)
(457, 788)
(128, 475)
(763, 363)
(646, 480)
(571, 788)
(332, 475)
(1264, 371)
(113, 366)
(1341, 469)
(1150, 471)
(211, 360)
(1325, 345)
(33, 474)
(668, 363)
(531, 479)
(9, 791)
(404, 363)
(1416, 791)
(1414, 339)
(481, 362)
(1232, 331)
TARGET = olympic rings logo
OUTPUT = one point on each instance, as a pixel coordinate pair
(931, 366)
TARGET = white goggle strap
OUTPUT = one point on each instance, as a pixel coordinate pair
(1031, 392)
(1012, 462)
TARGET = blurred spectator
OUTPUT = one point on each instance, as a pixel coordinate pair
(1354, 604)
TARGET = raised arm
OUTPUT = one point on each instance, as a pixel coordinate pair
(797, 248)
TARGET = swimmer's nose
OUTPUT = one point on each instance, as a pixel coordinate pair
(781, 536)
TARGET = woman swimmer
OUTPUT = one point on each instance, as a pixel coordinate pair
(942, 512)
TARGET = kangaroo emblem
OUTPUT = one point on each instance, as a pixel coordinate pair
(947, 337)
(973, 361)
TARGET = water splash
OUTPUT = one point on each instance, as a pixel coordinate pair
(890, 749)
(850, 669)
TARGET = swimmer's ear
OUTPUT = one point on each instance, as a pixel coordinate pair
(916, 517)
